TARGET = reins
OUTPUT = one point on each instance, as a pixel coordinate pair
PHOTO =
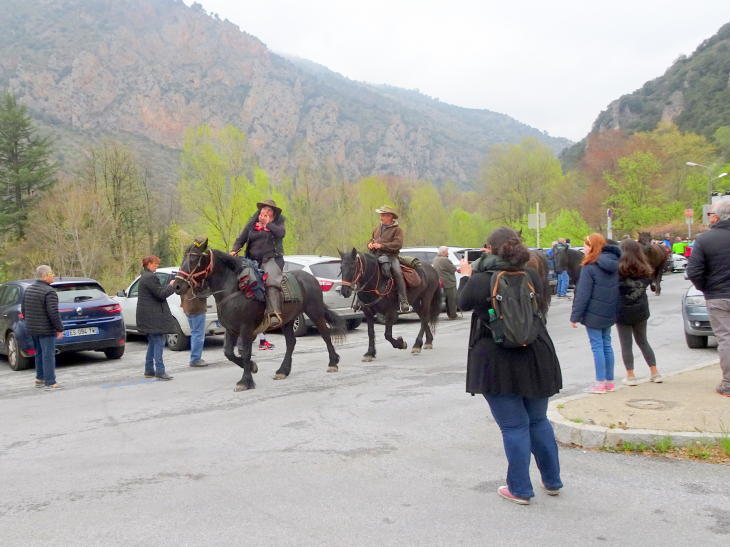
(192, 277)
(359, 272)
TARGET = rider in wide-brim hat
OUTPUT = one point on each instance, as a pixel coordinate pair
(387, 242)
(263, 236)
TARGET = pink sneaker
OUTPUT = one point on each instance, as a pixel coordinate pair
(595, 388)
(506, 494)
(610, 387)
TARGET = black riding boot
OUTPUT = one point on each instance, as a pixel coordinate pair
(273, 305)
(400, 285)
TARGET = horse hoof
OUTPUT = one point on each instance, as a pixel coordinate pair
(240, 387)
(254, 368)
(333, 369)
(404, 344)
(416, 350)
(367, 358)
(279, 376)
(427, 346)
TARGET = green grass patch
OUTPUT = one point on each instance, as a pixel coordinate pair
(664, 445)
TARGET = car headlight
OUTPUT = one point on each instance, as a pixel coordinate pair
(695, 301)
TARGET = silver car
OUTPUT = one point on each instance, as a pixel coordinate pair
(179, 341)
(327, 271)
(696, 321)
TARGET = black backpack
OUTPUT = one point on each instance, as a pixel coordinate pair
(514, 318)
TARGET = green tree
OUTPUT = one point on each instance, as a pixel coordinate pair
(567, 224)
(516, 176)
(26, 170)
(427, 218)
(635, 199)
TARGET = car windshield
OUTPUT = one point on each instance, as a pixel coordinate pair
(79, 292)
(328, 270)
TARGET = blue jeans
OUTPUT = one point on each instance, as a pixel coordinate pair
(602, 352)
(526, 430)
(155, 344)
(563, 280)
(197, 335)
(45, 358)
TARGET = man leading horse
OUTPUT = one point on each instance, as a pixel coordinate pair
(264, 240)
(386, 243)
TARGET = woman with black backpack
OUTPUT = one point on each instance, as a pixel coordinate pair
(516, 381)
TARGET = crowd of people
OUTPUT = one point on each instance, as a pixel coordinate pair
(513, 364)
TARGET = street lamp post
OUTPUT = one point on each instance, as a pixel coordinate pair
(709, 179)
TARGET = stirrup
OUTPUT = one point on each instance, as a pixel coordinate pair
(404, 306)
(275, 320)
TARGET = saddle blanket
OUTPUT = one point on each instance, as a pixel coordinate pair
(251, 280)
(290, 288)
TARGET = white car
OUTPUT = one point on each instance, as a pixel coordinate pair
(327, 270)
(679, 262)
(427, 254)
(181, 339)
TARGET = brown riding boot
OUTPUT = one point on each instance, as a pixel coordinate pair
(273, 305)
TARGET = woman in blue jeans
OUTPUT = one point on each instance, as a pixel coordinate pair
(595, 306)
(515, 382)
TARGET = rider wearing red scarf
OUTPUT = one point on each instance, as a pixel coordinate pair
(264, 235)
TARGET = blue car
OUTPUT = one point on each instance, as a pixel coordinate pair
(91, 321)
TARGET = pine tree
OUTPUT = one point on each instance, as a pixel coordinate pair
(26, 169)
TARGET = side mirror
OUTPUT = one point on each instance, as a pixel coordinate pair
(121, 293)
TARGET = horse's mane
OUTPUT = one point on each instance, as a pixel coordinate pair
(230, 262)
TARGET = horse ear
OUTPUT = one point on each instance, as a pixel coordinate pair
(339, 252)
(354, 252)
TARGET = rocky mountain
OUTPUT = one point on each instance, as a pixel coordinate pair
(144, 70)
(694, 93)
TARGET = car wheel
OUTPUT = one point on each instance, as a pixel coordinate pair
(178, 341)
(114, 353)
(695, 342)
(300, 326)
(16, 360)
(353, 323)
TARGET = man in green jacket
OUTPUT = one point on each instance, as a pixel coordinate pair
(447, 274)
(679, 247)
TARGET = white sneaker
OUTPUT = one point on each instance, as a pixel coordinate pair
(630, 381)
(656, 378)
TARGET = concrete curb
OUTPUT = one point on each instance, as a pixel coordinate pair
(596, 436)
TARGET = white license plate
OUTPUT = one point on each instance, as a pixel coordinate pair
(80, 332)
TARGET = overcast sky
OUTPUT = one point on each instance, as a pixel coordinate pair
(552, 64)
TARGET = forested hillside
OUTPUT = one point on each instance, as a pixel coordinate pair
(143, 70)
(694, 94)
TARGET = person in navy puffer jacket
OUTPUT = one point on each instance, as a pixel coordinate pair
(595, 306)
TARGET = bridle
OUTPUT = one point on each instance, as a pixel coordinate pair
(196, 277)
(359, 272)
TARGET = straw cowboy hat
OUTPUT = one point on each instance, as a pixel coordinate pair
(269, 203)
(387, 209)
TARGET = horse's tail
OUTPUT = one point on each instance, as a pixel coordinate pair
(433, 315)
(337, 325)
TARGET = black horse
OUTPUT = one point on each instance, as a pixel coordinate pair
(656, 255)
(216, 272)
(377, 294)
(567, 259)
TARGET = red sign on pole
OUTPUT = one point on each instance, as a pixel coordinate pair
(689, 213)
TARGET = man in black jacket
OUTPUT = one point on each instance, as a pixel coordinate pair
(43, 324)
(263, 236)
(709, 269)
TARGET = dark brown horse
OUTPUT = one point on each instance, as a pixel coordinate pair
(656, 255)
(539, 261)
(376, 294)
(214, 272)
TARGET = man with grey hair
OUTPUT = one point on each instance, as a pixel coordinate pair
(447, 274)
(709, 269)
(43, 324)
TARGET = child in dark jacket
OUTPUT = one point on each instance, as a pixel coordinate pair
(633, 309)
(595, 304)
